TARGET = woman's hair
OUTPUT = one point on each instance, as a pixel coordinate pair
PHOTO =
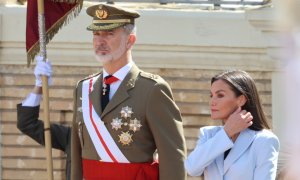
(242, 84)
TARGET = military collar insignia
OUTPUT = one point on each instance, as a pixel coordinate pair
(130, 83)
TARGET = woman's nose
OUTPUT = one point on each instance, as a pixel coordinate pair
(212, 102)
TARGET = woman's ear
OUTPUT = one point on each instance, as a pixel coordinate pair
(242, 100)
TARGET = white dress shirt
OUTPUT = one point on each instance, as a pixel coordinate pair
(120, 74)
(33, 99)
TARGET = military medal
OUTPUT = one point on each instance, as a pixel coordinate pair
(126, 112)
(116, 124)
(104, 89)
(135, 125)
(125, 138)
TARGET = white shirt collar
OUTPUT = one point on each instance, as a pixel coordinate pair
(121, 73)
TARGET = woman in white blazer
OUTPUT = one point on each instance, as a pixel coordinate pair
(244, 148)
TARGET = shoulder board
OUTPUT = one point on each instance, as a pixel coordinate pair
(88, 77)
(149, 75)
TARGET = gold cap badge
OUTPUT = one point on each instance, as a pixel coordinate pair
(101, 13)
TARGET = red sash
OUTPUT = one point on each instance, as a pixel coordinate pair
(98, 170)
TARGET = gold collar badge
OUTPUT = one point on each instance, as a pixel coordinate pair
(101, 13)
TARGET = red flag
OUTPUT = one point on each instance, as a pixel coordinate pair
(56, 15)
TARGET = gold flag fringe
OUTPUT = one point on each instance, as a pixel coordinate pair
(34, 50)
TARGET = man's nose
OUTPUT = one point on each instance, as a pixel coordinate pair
(99, 40)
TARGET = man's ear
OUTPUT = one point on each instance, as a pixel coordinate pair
(131, 41)
(242, 100)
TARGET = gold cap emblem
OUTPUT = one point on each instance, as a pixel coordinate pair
(101, 13)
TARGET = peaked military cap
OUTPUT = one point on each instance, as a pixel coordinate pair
(107, 17)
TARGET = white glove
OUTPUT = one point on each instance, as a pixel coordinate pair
(42, 68)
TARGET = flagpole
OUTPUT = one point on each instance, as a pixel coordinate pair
(42, 40)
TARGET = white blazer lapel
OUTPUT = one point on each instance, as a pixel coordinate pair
(241, 144)
(220, 164)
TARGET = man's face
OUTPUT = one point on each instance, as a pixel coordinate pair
(110, 45)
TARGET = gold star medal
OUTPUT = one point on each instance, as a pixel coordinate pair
(126, 112)
(116, 123)
(135, 125)
(125, 138)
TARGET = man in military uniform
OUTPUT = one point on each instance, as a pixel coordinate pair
(122, 115)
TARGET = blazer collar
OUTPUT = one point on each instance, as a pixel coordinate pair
(241, 144)
(121, 94)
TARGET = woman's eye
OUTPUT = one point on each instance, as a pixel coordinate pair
(220, 95)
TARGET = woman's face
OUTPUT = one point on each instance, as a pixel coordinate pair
(223, 101)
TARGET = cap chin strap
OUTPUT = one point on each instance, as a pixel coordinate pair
(112, 21)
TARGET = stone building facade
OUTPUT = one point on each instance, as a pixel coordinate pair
(186, 46)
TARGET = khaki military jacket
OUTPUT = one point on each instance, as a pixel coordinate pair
(152, 104)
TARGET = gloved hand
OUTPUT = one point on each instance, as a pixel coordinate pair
(42, 68)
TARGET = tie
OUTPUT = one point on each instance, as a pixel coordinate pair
(106, 88)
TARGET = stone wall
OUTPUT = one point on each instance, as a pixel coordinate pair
(188, 48)
(23, 157)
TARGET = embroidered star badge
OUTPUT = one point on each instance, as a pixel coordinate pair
(135, 125)
(116, 124)
(126, 112)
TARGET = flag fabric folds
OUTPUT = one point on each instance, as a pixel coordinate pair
(57, 14)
